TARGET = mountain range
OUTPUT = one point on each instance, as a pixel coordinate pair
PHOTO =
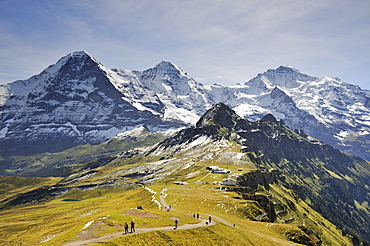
(78, 100)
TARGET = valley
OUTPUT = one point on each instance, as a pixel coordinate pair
(101, 215)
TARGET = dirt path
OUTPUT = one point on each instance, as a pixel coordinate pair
(162, 200)
(202, 223)
(79, 242)
(164, 204)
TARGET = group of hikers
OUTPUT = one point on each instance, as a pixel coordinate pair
(194, 216)
(176, 224)
(126, 226)
(132, 227)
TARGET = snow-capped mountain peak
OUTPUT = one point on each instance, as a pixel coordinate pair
(78, 56)
(283, 76)
(167, 66)
(78, 100)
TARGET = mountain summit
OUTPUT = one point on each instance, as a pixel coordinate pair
(220, 115)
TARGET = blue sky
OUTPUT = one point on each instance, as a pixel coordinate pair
(215, 41)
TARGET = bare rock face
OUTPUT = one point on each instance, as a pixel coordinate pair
(255, 178)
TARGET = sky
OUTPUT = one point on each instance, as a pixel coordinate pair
(214, 41)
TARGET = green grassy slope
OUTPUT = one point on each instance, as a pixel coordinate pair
(63, 219)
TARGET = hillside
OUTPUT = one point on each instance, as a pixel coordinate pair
(290, 188)
(64, 163)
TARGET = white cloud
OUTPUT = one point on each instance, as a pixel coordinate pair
(232, 39)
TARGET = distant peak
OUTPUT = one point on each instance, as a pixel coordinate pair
(79, 56)
(219, 114)
(283, 76)
(284, 70)
(164, 63)
(79, 53)
(287, 68)
(167, 65)
(270, 118)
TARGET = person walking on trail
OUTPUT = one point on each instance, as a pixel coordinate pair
(132, 226)
(126, 228)
(176, 222)
(210, 219)
(197, 216)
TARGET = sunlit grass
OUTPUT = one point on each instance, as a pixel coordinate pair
(108, 208)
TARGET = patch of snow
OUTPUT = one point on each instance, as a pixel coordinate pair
(153, 197)
(136, 132)
(199, 141)
(88, 224)
(105, 134)
(74, 127)
(343, 134)
(48, 238)
(190, 175)
(3, 132)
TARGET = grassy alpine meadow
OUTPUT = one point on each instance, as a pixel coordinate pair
(62, 219)
(80, 214)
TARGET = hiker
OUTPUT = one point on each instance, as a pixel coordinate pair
(197, 216)
(176, 222)
(210, 219)
(126, 228)
(194, 216)
(132, 226)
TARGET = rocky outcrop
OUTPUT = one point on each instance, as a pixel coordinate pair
(267, 205)
(255, 178)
